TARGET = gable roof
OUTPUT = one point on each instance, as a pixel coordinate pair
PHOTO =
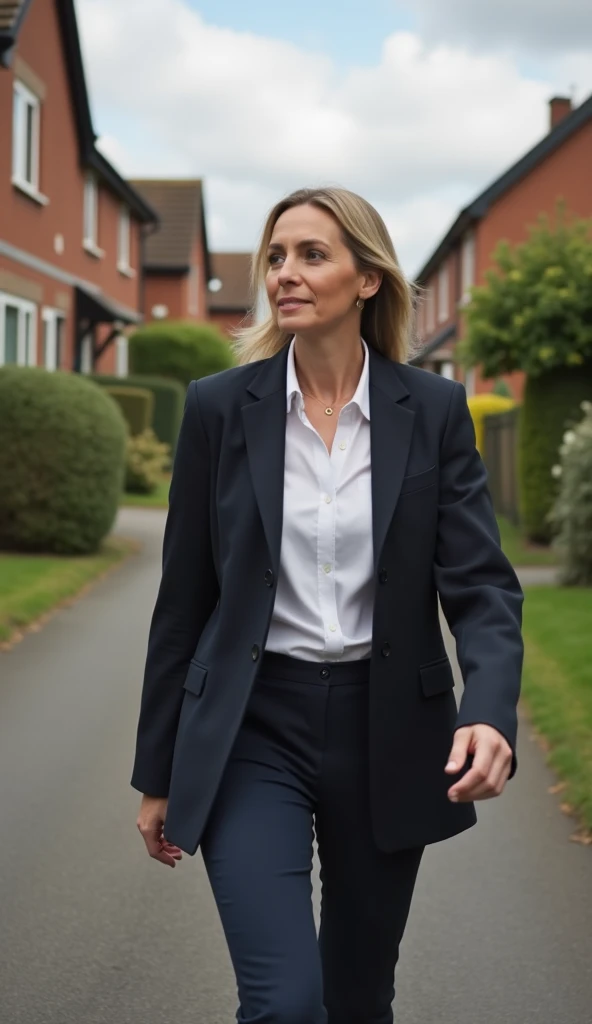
(567, 127)
(233, 269)
(14, 12)
(180, 206)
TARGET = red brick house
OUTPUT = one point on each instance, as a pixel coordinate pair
(557, 167)
(70, 226)
(177, 265)
(230, 303)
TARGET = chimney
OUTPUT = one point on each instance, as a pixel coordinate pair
(560, 107)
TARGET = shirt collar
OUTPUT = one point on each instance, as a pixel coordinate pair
(362, 393)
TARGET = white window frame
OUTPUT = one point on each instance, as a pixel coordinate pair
(430, 310)
(124, 242)
(443, 293)
(26, 355)
(23, 101)
(86, 353)
(467, 266)
(121, 356)
(51, 319)
(90, 228)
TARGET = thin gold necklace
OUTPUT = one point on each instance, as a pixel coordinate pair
(329, 409)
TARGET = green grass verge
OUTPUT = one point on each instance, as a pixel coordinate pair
(557, 685)
(158, 499)
(31, 585)
(519, 551)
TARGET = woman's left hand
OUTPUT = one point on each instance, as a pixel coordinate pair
(492, 762)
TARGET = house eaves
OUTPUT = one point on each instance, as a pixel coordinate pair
(12, 15)
(481, 205)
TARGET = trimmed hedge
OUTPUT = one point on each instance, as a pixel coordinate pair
(484, 405)
(169, 400)
(62, 461)
(136, 404)
(182, 351)
(551, 404)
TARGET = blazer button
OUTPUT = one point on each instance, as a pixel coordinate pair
(269, 578)
(385, 650)
(254, 652)
(383, 576)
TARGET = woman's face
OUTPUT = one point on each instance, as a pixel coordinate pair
(312, 281)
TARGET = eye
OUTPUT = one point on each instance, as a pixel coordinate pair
(272, 258)
(315, 252)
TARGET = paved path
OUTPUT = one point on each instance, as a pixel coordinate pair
(94, 932)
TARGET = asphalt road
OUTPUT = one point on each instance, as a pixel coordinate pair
(94, 932)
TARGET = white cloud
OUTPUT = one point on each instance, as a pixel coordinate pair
(418, 134)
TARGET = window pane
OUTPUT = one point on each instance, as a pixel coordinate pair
(30, 144)
(11, 334)
(90, 211)
(124, 238)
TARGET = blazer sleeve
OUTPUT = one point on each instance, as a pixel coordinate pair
(187, 594)
(479, 592)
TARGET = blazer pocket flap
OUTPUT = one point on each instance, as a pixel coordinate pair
(437, 677)
(417, 481)
(196, 678)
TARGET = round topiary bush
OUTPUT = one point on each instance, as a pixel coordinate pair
(62, 461)
(182, 351)
(572, 513)
(551, 404)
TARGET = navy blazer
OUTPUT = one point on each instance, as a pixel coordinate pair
(434, 534)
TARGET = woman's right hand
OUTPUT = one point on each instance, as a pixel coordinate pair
(151, 823)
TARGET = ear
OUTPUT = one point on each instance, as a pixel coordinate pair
(371, 282)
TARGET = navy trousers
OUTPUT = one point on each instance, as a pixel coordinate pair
(300, 763)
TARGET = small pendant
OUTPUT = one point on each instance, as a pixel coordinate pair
(328, 411)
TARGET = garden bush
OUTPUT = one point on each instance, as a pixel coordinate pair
(481, 406)
(571, 514)
(179, 350)
(169, 399)
(136, 404)
(147, 459)
(62, 461)
(551, 405)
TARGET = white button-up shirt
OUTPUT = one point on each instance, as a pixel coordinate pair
(324, 597)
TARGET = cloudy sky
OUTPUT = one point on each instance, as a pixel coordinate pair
(416, 104)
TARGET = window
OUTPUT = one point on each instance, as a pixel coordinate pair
(193, 297)
(18, 321)
(54, 323)
(121, 361)
(447, 370)
(443, 307)
(430, 310)
(25, 140)
(91, 215)
(123, 242)
(87, 354)
(467, 265)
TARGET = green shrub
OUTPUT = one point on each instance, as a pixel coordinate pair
(62, 460)
(551, 404)
(147, 459)
(169, 399)
(571, 514)
(136, 404)
(501, 388)
(181, 351)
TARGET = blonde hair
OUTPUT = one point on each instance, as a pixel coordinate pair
(387, 317)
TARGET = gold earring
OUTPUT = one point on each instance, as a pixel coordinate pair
(360, 303)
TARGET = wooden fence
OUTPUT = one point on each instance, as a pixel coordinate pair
(500, 457)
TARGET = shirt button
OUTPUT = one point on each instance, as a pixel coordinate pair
(328, 499)
(343, 446)
(327, 568)
(332, 628)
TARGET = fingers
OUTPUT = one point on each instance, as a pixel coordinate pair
(489, 772)
(158, 847)
(460, 749)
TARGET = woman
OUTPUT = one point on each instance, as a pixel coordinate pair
(324, 495)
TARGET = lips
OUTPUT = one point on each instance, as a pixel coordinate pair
(290, 304)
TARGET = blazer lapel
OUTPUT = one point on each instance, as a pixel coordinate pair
(391, 430)
(264, 423)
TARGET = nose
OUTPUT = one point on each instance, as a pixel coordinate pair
(287, 272)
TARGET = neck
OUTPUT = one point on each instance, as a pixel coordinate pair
(330, 367)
